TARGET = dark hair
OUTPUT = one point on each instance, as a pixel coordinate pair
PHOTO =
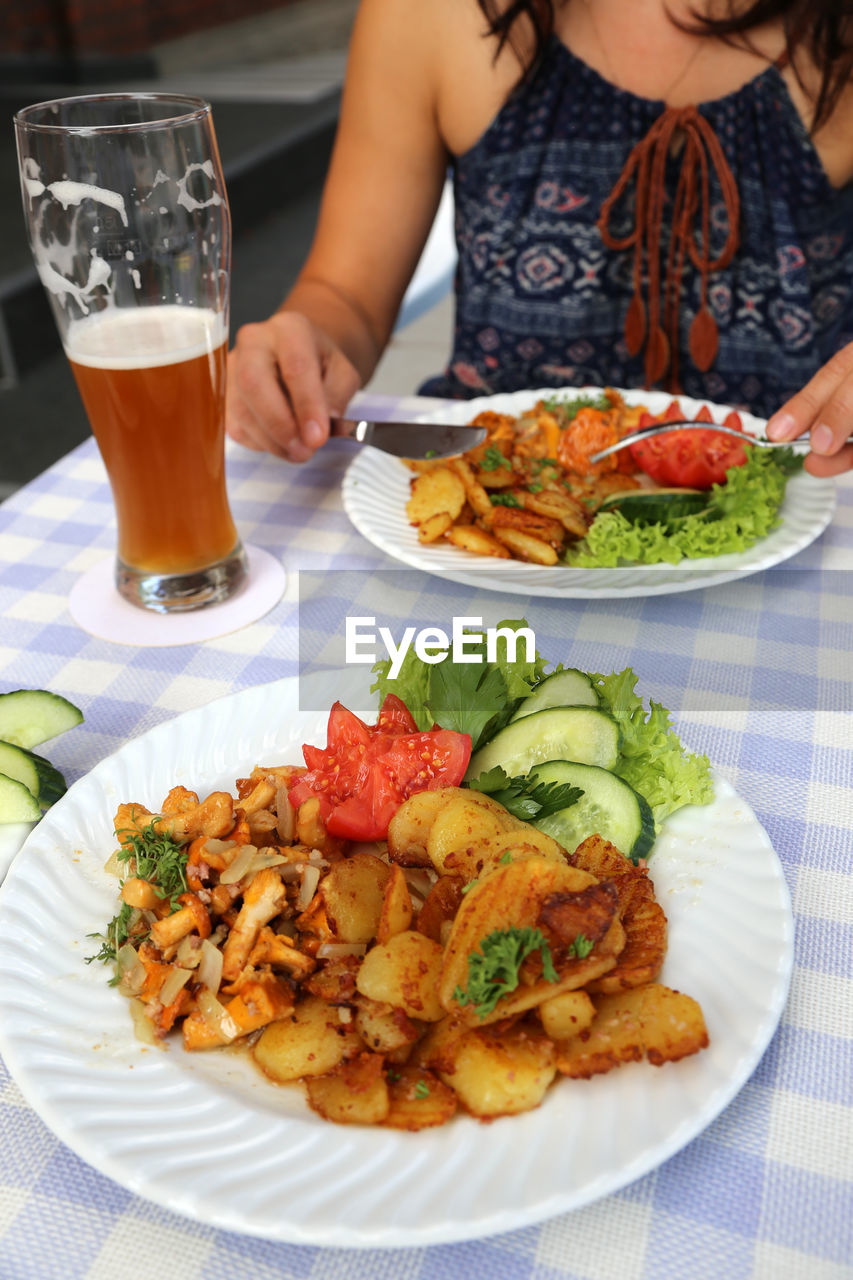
(822, 27)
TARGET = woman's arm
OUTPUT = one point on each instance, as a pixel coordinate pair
(287, 374)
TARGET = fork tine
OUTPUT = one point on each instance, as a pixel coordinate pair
(687, 424)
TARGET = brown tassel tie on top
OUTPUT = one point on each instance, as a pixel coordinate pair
(655, 322)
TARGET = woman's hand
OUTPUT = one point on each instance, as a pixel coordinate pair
(825, 408)
(285, 379)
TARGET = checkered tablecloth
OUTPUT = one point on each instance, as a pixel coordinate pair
(759, 674)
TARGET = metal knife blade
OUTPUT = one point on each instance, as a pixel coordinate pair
(410, 439)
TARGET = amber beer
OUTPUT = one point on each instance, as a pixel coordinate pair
(152, 380)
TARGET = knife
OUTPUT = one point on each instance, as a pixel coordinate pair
(410, 439)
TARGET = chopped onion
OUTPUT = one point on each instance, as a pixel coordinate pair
(143, 1027)
(307, 887)
(238, 868)
(210, 966)
(112, 866)
(188, 953)
(286, 815)
(216, 1015)
(130, 970)
(268, 857)
(212, 845)
(174, 983)
(419, 880)
(337, 950)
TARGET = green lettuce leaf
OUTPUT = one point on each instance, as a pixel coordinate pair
(739, 513)
(652, 759)
(477, 698)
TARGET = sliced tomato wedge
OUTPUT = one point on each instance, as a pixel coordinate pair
(694, 459)
(365, 772)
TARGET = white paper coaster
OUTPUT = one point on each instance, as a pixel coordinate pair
(96, 606)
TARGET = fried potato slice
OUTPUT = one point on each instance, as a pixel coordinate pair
(558, 506)
(673, 1024)
(458, 839)
(440, 906)
(419, 1100)
(434, 527)
(525, 547)
(528, 522)
(396, 914)
(642, 916)
(355, 1093)
(404, 972)
(566, 1015)
(311, 1042)
(353, 893)
(434, 492)
(480, 543)
(475, 493)
(409, 829)
(651, 1021)
(501, 1073)
(383, 1028)
(511, 897)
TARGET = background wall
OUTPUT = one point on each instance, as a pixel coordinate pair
(102, 27)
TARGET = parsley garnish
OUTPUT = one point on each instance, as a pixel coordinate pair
(393, 1076)
(504, 500)
(568, 409)
(431, 453)
(536, 487)
(469, 885)
(581, 946)
(494, 970)
(523, 796)
(492, 459)
(467, 698)
(157, 858)
(113, 938)
(422, 1089)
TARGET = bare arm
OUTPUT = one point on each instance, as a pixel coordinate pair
(289, 373)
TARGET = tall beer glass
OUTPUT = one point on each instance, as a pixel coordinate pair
(129, 226)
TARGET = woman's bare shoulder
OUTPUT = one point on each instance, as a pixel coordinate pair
(441, 51)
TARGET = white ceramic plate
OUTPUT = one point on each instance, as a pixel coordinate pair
(206, 1136)
(12, 837)
(376, 487)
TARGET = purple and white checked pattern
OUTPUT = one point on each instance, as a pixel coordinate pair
(758, 673)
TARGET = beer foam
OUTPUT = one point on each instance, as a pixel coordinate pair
(144, 337)
(68, 193)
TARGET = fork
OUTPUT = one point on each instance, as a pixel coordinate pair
(801, 444)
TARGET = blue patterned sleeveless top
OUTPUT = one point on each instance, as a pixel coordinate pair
(542, 300)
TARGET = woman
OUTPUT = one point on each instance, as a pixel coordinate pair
(608, 230)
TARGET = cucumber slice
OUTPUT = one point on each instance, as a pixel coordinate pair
(609, 807)
(570, 688)
(17, 803)
(31, 716)
(656, 506)
(37, 774)
(585, 734)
